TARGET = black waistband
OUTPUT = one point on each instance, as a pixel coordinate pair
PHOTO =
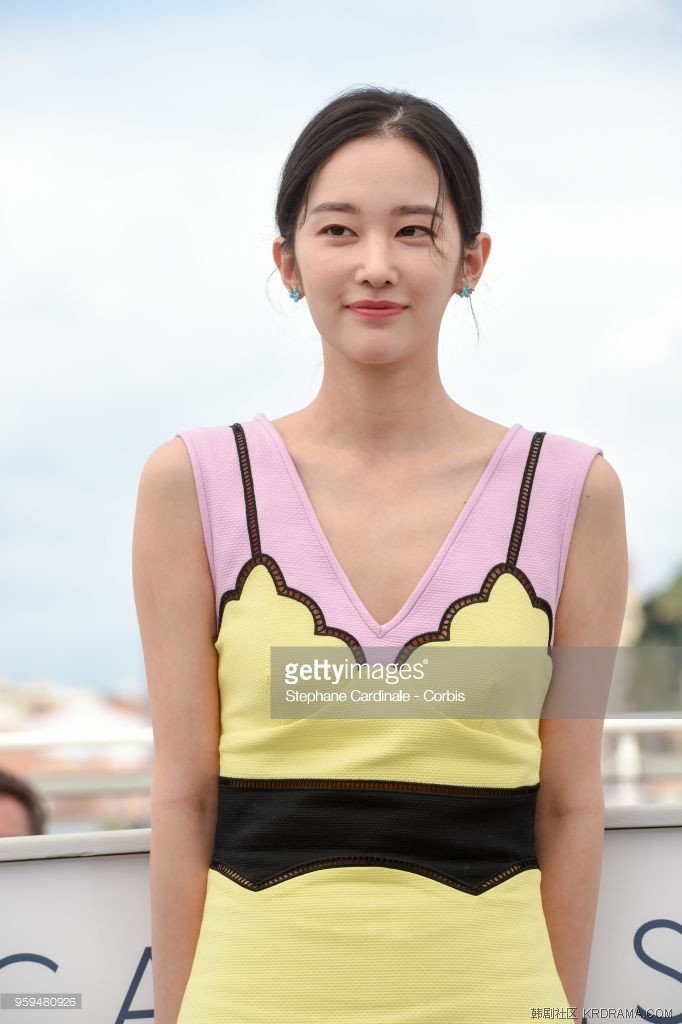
(269, 830)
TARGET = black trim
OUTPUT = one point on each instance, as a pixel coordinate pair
(524, 499)
(249, 493)
(442, 634)
(469, 838)
(321, 627)
(398, 786)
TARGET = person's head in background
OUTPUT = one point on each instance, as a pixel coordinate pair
(22, 811)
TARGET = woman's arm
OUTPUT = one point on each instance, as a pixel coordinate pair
(176, 613)
(570, 811)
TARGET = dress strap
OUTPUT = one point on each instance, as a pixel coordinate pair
(524, 499)
(249, 494)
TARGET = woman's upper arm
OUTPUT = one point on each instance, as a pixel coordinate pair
(590, 614)
(592, 602)
(176, 614)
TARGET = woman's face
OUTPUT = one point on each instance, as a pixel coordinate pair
(364, 257)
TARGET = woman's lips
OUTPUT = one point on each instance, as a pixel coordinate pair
(376, 310)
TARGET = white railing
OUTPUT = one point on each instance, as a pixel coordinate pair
(626, 764)
(42, 739)
(35, 739)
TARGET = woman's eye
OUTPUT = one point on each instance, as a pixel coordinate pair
(416, 231)
(335, 230)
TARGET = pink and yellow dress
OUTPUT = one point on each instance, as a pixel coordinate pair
(376, 870)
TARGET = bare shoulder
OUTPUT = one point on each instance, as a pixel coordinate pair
(167, 503)
(599, 529)
(602, 493)
(592, 601)
(169, 553)
(167, 473)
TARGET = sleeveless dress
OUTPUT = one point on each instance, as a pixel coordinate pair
(376, 870)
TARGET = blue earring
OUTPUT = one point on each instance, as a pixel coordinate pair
(294, 293)
(466, 291)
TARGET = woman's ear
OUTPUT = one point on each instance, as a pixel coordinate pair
(475, 259)
(286, 263)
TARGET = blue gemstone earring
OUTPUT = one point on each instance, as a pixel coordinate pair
(294, 293)
(466, 291)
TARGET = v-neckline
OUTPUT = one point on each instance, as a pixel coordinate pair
(381, 630)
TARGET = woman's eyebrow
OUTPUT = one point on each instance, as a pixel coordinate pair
(398, 211)
(334, 208)
(428, 211)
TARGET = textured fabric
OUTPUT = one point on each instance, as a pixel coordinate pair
(268, 832)
(329, 929)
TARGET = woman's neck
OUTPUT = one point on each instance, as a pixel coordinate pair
(382, 409)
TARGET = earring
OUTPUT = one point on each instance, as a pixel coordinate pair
(466, 291)
(294, 293)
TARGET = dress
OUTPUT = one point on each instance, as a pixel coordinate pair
(376, 870)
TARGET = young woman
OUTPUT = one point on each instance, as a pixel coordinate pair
(392, 870)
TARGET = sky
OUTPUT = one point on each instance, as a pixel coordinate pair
(141, 144)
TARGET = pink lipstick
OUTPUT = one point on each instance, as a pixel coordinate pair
(376, 310)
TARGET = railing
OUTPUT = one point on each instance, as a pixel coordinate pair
(627, 768)
(36, 739)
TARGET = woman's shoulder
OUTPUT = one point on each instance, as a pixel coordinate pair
(558, 456)
(174, 458)
(214, 448)
(167, 477)
(166, 515)
(570, 477)
(199, 462)
(566, 456)
(577, 486)
(482, 432)
(565, 443)
(222, 433)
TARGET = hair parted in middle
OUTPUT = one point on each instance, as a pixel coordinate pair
(373, 112)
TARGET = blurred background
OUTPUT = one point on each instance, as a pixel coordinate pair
(141, 145)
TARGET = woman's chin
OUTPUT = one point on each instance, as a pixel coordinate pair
(373, 352)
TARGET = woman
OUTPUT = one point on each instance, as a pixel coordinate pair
(372, 869)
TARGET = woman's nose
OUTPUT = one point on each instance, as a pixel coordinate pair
(376, 264)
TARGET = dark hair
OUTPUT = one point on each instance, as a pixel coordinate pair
(11, 785)
(382, 113)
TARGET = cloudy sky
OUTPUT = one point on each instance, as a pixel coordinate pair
(141, 143)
